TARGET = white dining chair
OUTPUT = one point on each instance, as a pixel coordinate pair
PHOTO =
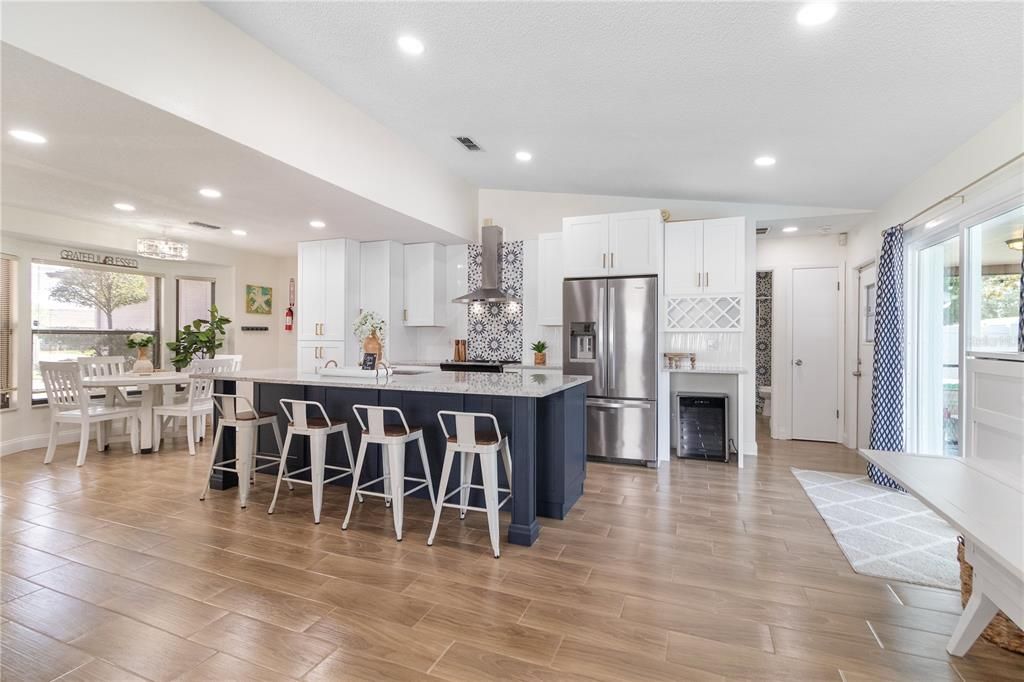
(107, 366)
(237, 359)
(198, 406)
(217, 365)
(69, 403)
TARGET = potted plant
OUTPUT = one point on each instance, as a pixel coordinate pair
(540, 356)
(141, 342)
(370, 329)
(200, 339)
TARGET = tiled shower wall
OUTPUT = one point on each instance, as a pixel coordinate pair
(763, 338)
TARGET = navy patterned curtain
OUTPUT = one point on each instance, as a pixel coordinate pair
(887, 404)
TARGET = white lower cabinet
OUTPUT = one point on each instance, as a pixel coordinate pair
(315, 354)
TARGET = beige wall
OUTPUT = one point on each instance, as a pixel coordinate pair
(30, 235)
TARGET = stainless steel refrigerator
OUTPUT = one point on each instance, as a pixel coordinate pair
(610, 331)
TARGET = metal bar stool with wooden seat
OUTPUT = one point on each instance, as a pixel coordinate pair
(392, 438)
(317, 429)
(246, 423)
(486, 445)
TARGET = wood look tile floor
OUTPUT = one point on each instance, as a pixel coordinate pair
(697, 571)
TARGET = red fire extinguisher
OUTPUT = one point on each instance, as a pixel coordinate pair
(289, 315)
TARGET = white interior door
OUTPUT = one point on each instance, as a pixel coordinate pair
(816, 351)
(867, 288)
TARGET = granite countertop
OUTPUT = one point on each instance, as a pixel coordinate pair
(525, 384)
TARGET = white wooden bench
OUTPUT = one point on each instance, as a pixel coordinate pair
(989, 513)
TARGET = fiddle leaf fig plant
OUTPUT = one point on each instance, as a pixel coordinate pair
(200, 339)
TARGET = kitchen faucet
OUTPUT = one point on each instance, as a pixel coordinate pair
(328, 363)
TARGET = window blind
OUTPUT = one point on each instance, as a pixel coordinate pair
(7, 266)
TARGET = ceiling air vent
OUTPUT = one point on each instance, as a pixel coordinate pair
(208, 226)
(468, 143)
(762, 231)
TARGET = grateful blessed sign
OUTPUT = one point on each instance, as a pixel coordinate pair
(98, 258)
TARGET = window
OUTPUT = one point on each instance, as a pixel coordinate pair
(994, 283)
(936, 381)
(195, 298)
(80, 312)
(8, 276)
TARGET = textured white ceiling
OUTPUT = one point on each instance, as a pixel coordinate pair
(667, 100)
(106, 147)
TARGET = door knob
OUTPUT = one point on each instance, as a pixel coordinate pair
(799, 363)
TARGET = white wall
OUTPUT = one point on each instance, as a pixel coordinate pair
(30, 235)
(781, 255)
(525, 215)
(989, 148)
(185, 59)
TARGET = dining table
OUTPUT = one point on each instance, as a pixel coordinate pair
(151, 387)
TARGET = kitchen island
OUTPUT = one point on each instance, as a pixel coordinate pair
(543, 414)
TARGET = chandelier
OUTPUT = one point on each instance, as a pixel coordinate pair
(163, 249)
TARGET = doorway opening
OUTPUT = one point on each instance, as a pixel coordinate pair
(763, 353)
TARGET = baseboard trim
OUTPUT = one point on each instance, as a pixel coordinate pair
(39, 440)
(750, 449)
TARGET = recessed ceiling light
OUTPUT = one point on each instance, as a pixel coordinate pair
(523, 156)
(28, 136)
(790, 228)
(410, 45)
(764, 161)
(210, 193)
(239, 233)
(318, 224)
(124, 207)
(932, 223)
(816, 13)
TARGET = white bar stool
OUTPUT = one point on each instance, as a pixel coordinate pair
(246, 423)
(486, 445)
(392, 438)
(317, 429)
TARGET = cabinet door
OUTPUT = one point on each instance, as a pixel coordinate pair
(424, 285)
(309, 311)
(374, 278)
(336, 291)
(549, 279)
(585, 246)
(315, 354)
(683, 257)
(724, 251)
(633, 243)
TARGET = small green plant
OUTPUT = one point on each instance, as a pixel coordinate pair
(539, 347)
(200, 339)
(139, 340)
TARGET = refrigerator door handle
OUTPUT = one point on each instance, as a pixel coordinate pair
(601, 351)
(611, 404)
(611, 339)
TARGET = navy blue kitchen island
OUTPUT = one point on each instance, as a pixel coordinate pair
(543, 414)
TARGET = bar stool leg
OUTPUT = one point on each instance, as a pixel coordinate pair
(281, 451)
(506, 457)
(213, 459)
(317, 456)
(348, 451)
(244, 447)
(465, 479)
(446, 472)
(280, 469)
(385, 464)
(426, 469)
(355, 482)
(489, 475)
(396, 453)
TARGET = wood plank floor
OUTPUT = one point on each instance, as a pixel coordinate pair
(697, 571)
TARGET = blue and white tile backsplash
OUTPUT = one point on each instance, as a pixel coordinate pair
(495, 330)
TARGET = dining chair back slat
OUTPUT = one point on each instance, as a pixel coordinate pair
(211, 366)
(63, 382)
(200, 390)
(102, 366)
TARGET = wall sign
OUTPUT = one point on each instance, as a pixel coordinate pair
(98, 259)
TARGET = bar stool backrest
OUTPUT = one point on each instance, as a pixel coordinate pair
(64, 389)
(229, 406)
(374, 424)
(465, 425)
(297, 411)
(102, 366)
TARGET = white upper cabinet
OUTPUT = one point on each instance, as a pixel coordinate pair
(309, 311)
(549, 289)
(585, 246)
(328, 293)
(634, 241)
(381, 273)
(425, 285)
(704, 256)
(616, 244)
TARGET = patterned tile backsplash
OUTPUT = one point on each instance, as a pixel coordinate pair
(763, 339)
(495, 330)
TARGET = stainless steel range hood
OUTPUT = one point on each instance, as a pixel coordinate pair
(490, 270)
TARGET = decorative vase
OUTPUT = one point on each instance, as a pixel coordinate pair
(372, 344)
(143, 365)
(540, 359)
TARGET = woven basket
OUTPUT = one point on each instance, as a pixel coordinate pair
(1001, 631)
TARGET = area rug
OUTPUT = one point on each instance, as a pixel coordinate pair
(884, 533)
